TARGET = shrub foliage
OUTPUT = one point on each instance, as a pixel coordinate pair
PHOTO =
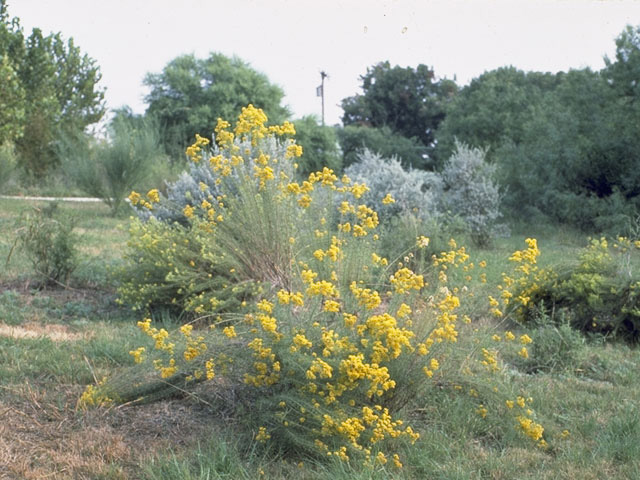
(337, 340)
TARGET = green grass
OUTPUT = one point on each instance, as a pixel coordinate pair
(591, 393)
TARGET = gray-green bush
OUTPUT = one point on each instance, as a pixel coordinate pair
(414, 191)
(471, 192)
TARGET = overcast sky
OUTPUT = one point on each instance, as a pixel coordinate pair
(291, 41)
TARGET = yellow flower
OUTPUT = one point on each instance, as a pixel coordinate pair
(265, 306)
(209, 368)
(525, 339)
(293, 151)
(137, 354)
(262, 435)
(331, 306)
(304, 201)
(188, 211)
(422, 241)
(403, 311)
(230, 331)
(134, 198)
(388, 199)
(153, 195)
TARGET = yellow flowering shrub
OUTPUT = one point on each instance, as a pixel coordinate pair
(600, 293)
(335, 339)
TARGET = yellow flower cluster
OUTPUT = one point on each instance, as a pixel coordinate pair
(405, 280)
(266, 366)
(517, 288)
(366, 297)
(194, 151)
(530, 428)
(94, 396)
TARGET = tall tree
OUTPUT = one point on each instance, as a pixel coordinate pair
(12, 99)
(60, 87)
(12, 95)
(623, 73)
(491, 109)
(190, 94)
(411, 102)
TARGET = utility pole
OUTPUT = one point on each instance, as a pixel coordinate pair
(320, 91)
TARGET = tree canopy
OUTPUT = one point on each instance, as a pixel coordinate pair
(566, 144)
(48, 87)
(411, 102)
(492, 108)
(190, 94)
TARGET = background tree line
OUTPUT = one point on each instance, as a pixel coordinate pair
(564, 146)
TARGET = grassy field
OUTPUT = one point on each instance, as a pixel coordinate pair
(56, 341)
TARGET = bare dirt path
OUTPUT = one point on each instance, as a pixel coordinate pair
(52, 199)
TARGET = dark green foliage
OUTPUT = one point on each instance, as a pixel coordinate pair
(52, 88)
(12, 99)
(319, 146)
(382, 141)
(411, 102)
(491, 109)
(7, 162)
(565, 145)
(622, 72)
(50, 244)
(576, 160)
(190, 94)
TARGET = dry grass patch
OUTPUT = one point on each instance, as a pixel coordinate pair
(55, 332)
(43, 435)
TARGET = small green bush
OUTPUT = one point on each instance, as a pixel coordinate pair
(555, 343)
(599, 294)
(110, 169)
(50, 244)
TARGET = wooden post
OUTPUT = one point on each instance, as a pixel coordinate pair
(323, 75)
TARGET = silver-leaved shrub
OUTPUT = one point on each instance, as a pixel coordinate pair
(471, 192)
(414, 191)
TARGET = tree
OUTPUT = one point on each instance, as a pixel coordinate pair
(190, 94)
(353, 139)
(319, 146)
(623, 74)
(59, 87)
(12, 99)
(12, 94)
(577, 159)
(492, 109)
(411, 102)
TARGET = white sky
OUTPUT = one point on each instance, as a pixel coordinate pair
(291, 41)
